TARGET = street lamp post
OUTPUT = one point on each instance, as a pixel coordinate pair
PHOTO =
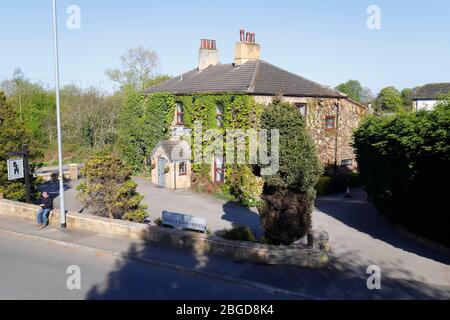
(62, 214)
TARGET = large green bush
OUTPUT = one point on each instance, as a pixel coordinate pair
(13, 135)
(404, 162)
(109, 189)
(240, 233)
(289, 194)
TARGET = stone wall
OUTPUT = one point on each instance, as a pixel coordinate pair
(347, 119)
(315, 254)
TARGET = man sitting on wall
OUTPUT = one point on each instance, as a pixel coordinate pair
(46, 204)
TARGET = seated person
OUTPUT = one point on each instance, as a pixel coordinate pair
(46, 204)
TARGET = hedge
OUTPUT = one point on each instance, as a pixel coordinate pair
(404, 164)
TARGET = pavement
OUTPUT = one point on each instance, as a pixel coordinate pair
(219, 214)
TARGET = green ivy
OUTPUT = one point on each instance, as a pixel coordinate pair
(146, 120)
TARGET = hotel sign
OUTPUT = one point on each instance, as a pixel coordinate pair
(182, 221)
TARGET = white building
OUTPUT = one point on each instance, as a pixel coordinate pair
(427, 97)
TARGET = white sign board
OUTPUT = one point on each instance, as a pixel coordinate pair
(182, 221)
(15, 169)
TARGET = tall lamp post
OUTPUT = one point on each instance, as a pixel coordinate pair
(62, 214)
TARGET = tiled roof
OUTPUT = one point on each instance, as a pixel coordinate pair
(174, 150)
(255, 77)
(431, 91)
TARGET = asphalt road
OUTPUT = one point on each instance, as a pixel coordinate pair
(37, 270)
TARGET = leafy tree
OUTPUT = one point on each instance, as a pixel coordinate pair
(109, 189)
(139, 67)
(404, 165)
(13, 135)
(353, 89)
(289, 194)
(407, 98)
(389, 100)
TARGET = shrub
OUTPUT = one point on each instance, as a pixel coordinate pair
(13, 135)
(246, 187)
(337, 183)
(158, 222)
(289, 194)
(109, 189)
(404, 163)
(240, 233)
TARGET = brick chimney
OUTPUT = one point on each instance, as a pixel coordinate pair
(246, 49)
(208, 55)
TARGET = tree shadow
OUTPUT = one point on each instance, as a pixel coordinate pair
(242, 216)
(361, 215)
(162, 279)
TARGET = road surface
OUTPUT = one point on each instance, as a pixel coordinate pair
(32, 269)
(33, 265)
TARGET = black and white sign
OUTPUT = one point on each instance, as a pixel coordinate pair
(15, 169)
(182, 221)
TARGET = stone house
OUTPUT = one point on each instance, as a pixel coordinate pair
(330, 115)
(427, 96)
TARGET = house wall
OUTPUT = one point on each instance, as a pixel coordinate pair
(346, 122)
(425, 104)
(183, 181)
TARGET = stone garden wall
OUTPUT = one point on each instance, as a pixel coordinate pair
(315, 254)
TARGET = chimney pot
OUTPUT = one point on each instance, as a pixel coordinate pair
(247, 49)
(208, 54)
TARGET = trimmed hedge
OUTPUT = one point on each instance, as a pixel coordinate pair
(404, 162)
(240, 233)
(338, 183)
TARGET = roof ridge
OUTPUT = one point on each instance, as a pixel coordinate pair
(305, 79)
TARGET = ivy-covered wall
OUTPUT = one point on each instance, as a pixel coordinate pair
(146, 120)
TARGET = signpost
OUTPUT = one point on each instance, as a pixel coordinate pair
(20, 168)
(182, 221)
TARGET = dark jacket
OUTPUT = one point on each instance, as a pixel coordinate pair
(47, 203)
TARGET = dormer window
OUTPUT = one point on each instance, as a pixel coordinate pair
(219, 115)
(180, 114)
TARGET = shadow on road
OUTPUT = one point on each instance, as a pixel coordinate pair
(131, 280)
(361, 215)
(242, 216)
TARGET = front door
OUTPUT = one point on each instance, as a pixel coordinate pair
(161, 173)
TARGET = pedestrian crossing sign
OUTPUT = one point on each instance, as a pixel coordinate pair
(15, 169)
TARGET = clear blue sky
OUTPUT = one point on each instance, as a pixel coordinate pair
(326, 41)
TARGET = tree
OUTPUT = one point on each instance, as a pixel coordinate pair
(404, 165)
(13, 135)
(138, 68)
(109, 189)
(407, 98)
(353, 89)
(289, 194)
(389, 100)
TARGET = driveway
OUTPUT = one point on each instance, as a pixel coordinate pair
(359, 237)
